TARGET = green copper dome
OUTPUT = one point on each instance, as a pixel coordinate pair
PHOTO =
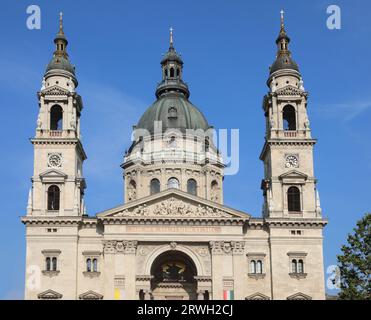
(60, 63)
(174, 111)
(172, 106)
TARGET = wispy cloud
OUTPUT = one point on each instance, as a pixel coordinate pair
(345, 111)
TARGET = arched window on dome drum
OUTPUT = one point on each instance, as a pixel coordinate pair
(192, 187)
(172, 72)
(289, 118)
(56, 118)
(155, 186)
(177, 72)
(293, 199)
(173, 183)
(53, 198)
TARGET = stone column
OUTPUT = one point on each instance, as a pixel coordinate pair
(130, 248)
(239, 269)
(109, 270)
(217, 252)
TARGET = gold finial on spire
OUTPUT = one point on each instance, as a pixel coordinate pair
(61, 22)
(171, 37)
(282, 19)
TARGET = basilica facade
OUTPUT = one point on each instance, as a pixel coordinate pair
(174, 238)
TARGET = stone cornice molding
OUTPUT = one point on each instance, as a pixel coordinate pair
(61, 141)
(295, 222)
(47, 221)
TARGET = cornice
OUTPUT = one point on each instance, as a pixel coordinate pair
(295, 222)
(47, 221)
(61, 141)
(178, 221)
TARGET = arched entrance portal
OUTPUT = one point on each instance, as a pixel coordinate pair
(173, 277)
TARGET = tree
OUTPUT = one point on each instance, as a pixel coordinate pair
(355, 263)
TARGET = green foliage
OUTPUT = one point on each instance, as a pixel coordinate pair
(355, 263)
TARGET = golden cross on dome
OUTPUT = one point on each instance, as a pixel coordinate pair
(282, 18)
(61, 22)
(171, 36)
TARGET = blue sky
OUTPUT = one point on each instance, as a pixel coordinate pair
(227, 46)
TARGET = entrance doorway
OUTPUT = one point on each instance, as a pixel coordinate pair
(173, 277)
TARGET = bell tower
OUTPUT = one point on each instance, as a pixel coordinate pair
(57, 183)
(289, 185)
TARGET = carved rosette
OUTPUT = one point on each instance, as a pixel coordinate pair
(238, 247)
(125, 246)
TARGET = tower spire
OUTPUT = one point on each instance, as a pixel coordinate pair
(283, 56)
(61, 40)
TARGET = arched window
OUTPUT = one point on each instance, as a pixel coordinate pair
(300, 266)
(53, 198)
(155, 186)
(293, 199)
(192, 186)
(171, 72)
(214, 191)
(88, 265)
(289, 118)
(173, 183)
(56, 118)
(259, 266)
(172, 142)
(48, 264)
(177, 72)
(54, 264)
(132, 190)
(294, 266)
(95, 265)
(166, 73)
(252, 266)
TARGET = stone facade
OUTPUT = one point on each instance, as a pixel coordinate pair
(173, 238)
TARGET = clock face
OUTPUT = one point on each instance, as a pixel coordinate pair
(292, 161)
(55, 160)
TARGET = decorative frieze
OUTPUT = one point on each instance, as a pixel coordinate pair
(173, 207)
(124, 246)
(227, 247)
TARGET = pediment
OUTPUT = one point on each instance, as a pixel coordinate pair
(173, 204)
(55, 91)
(90, 295)
(299, 296)
(289, 91)
(50, 294)
(53, 175)
(293, 174)
(257, 296)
